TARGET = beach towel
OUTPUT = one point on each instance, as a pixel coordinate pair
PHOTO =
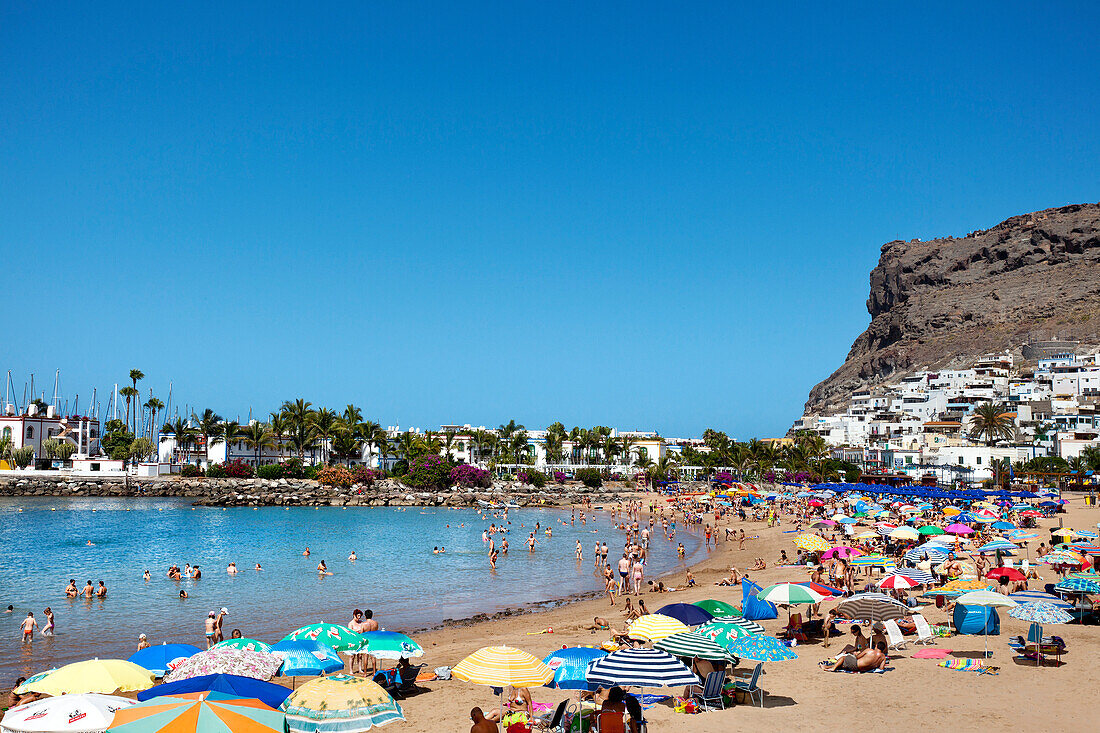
(932, 654)
(969, 665)
(649, 700)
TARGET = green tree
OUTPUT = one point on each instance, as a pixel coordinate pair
(325, 422)
(129, 393)
(154, 406)
(258, 436)
(136, 375)
(183, 435)
(991, 423)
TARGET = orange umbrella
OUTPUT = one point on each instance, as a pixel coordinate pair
(199, 712)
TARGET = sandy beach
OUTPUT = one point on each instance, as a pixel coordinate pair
(799, 696)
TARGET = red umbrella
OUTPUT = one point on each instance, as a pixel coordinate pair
(815, 502)
(1011, 573)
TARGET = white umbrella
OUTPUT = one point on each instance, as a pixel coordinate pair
(82, 713)
(989, 599)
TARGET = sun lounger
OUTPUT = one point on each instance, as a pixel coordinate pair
(893, 634)
(924, 631)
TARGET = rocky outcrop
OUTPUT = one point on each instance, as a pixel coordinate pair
(939, 303)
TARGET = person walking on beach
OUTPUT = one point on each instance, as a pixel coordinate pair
(624, 571)
(29, 625)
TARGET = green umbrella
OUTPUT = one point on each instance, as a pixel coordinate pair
(930, 529)
(248, 645)
(718, 608)
(340, 638)
(693, 644)
(728, 629)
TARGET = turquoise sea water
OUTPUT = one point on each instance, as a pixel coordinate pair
(43, 542)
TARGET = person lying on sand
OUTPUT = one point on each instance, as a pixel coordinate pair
(865, 661)
(760, 564)
(599, 624)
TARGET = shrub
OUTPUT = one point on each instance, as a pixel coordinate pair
(238, 469)
(366, 476)
(535, 478)
(428, 473)
(724, 477)
(309, 472)
(334, 476)
(616, 477)
(190, 471)
(469, 477)
(590, 477)
(560, 477)
(271, 472)
(292, 468)
(22, 456)
(216, 470)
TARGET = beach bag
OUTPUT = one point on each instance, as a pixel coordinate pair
(443, 673)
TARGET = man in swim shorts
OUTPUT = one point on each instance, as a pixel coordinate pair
(29, 625)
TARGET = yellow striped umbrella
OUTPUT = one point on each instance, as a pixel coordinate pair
(811, 542)
(654, 627)
(499, 666)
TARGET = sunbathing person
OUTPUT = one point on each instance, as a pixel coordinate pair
(760, 564)
(865, 661)
(598, 624)
(859, 642)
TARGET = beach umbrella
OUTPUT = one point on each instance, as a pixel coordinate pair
(718, 608)
(930, 530)
(693, 644)
(339, 704)
(340, 638)
(162, 659)
(762, 648)
(957, 529)
(1040, 612)
(822, 524)
(260, 665)
(1003, 525)
(94, 675)
(1063, 557)
(904, 533)
(1011, 573)
(570, 667)
(1062, 532)
(230, 685)
(841, 551)
(640, 668)
(823, 590)
(199, 712)
(727, 629)
(997, 546)
(811, 542)
(788, 594)
(1087, 534)
(897, 580)
(654, 627)
(306, 658)
(1038, 596)
(1078, 585)
(848, 520)
(1021, 536)
(685, 613)
(870, 561)
(866, 536)
(989, 599)
(79, 713)
(871, 607)
(500, 666)
(245, 644)
(921, 577)
(390, 645)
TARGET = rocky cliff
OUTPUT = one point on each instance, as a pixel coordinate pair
(939, 303)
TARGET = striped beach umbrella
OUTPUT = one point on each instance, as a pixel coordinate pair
(871, 607)
(897, 580)
(81, 713)
(826, 591)
(1040, 612)
(1021, 536)
(570, 667)
(499, 666)
(1063, 557)
(811, 542)
(918, 575)
(640, 668)
(1078, 585)
(789, 594)
(718, 608)
(339, 704)
(927, 551)
(340, 638)
(245, 644)
(762, 648)
(654, 627)
(1038, 596)
(997, 545)
(199, 712)
(693, 644)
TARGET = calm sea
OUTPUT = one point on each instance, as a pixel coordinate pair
(44, 543)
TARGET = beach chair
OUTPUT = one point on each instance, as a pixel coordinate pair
(710, 692)
(924, 631)
(610, 722)
(793, 629)
(403, 684)
(558, 721)
(751, 685)
(893, 634)
(518, 728)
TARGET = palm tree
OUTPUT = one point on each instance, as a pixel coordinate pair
(303, 437)
(380, 439)
(325, 421)
(208, 425)
(352, 416)
(643, 462)
(154, 406)
(135, 376)
(478, 440)
(992, 423)
(518, 445)
(432, 444)
(228, 432)
(448, 442)
(182, 433)
(625, 444)
(347, 445)
(409, 446)
(258, 436)
(276, 423)
(610, 448)
(129, 393)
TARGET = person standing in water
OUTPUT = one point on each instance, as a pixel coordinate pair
(29, 625)
(48, 629)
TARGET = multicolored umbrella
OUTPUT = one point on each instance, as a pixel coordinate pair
(389, 645)
(686, 613)
(1038, 596)
(570, 667)
(811, 542)
(1078, 585)
(227, 661)
(789, 594)
(340, 638)
(762, 648)
(728, 629)
(199, 712)
(654, 627)
(693, 644)
(897, 580)
(230, 685)
(919, 576)
(94, 675)
(718, 608)
(339, 704)
(306, 658)
(640, 668)
(162, 659)
(1040, 612)
(244, 644)
(997, 545)
(81, 713)
(1063, 557)
(823, 590)
(499, 666)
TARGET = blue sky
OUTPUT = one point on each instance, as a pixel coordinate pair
(647, 216)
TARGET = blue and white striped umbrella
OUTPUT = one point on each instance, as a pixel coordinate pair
(918, 575)
(1040, 613)
(1087, 533)
(932, 552)
(640, 668)
(1038, 596)
(1078, 585)
(995, 545)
